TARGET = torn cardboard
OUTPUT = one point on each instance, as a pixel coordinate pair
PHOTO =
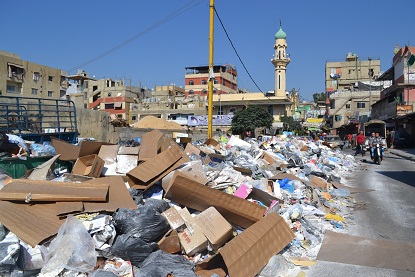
(174, 218)
(170, 242)
(185, 191)
(149, 145)
(43, 171)
(71, 152)
(247, 253)
(347, 249)
(212, 144)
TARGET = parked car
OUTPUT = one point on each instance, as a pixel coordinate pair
(334, 141)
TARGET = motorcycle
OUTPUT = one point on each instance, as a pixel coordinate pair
(377, 153)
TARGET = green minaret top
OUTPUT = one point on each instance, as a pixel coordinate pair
(280, 34)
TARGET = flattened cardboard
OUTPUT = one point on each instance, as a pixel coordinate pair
(215, 227)
(215, 158)
(191, 149)
(247, 253)
(263, 196)
(174, 218)
(149, 145)
(31, 223)
(318, 181)
(126, 163)
(76, 178)
(34, 190)
(185, 191)
(146, 174)
(347, 249)
(90, 166)
(191, 238)
(63, 208)
(170, 242)
(118, 195)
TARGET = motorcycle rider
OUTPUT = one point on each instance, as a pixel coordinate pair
(372, 137)
(376, 140)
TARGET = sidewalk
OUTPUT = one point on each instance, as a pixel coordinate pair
(407, 153)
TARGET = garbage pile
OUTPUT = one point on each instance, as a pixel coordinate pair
(155, 207)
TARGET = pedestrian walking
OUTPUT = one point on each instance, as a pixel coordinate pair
(360, 140)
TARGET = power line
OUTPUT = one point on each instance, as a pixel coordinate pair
(236, 52)
(178, 12)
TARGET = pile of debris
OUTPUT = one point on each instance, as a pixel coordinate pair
(221, 207)
(151, 122)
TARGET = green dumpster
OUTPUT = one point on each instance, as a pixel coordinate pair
(16, 168)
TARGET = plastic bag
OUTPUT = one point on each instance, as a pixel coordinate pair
(132, 249)
(137, 195)
(144, 222)
(9, 253)
(103, 273)
(156, 204)
(160, 263)
(73, 249)
(277, 266)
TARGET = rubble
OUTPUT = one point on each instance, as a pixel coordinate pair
(160, 208)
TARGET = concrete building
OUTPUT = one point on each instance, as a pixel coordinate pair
(27, 79)
(168, 102)
(345, 75)
(351, 91)
(396, 106)
(197, 78)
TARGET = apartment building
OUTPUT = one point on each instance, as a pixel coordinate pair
(27, 79)
(396, 104)
(197, 78)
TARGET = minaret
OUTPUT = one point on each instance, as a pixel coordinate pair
(280, 62)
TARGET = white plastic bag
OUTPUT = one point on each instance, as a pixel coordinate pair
(73, 249)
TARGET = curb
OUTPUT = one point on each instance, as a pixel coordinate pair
(406, 156)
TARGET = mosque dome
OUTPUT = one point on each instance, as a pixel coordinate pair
(280, 34)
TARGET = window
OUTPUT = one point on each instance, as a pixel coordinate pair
(11, 89)
(215, 91)
(109, 106)
(119, 116)
(204, 91)
(361, 105)
(34, 91)
(191, 83)
(86, 84)
(232, 110)
(134, 117)
(50, 93)
(220, 111)
(215, 81)
(371, 72)
(16, 71)
(191, 91)
(36, 76)
(204, 82)
(347, 106)
(50, 78)
(332, 104)
(94, 88)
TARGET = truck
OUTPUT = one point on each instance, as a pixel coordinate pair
(38, 119)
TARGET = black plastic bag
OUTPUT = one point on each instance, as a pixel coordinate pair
(103, 273)
(144, 222)
(160, 263)
(132, 249)
(156, 204)
(137, 195)
(9, 256)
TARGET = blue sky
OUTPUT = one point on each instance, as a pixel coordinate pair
(171, 35)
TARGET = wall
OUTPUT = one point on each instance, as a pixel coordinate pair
(95, 124)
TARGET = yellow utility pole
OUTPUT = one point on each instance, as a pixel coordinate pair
(211, 76)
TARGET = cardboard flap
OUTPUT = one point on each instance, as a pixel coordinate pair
(149, 145)
(41, 171)
(91, 147)
(34, 190)
(152, 170)
(188, 192)
(212, 143)
(68, 151)
(250, 251)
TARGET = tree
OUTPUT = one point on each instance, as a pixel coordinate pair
(292, 125)
(251, 118)
(319, 97)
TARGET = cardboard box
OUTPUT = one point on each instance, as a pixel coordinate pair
(212, 144)
(70, 152)
(215, 227)
(90, 165)
(191, 238)
(247, 253)
(109, 154)
(149, 145)
(186, 191)
(174, 218)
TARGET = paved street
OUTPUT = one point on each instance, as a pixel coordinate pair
(386, 213)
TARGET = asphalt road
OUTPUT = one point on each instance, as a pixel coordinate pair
(388, 212)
